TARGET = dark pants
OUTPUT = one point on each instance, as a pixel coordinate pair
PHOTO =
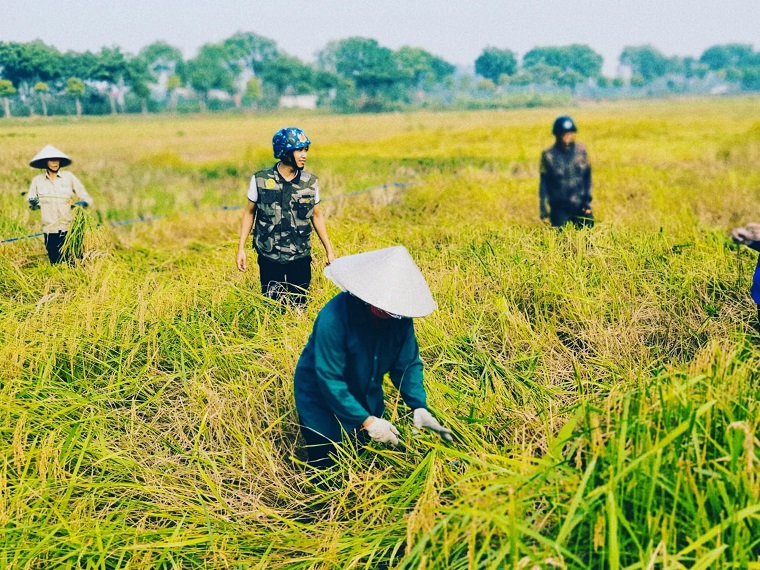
(53, 244)
(285, 281)
(321, 451)
(561, 216)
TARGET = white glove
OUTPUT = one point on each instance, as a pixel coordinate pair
(383, 431)
(424, 419)
(741, 235)
(749, 236)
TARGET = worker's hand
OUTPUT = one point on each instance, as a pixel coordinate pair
(242, 261)
(34, 203)
(545, 219)
(741, 235)
(382, 431)
(586, 211)
(330, 257)
(80, 203)
(424, 419)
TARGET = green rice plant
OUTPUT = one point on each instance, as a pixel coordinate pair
(82, 237)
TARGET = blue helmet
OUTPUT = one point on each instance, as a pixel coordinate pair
(562, 125)
(287, 140)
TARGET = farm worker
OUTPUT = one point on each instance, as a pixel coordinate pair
(565, 185)
(55, 194)
(283, 205)
(360, 335)
(750, 236)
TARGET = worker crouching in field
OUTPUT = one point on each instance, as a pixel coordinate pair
(359, 336)
(55, 193)
(750, 236)
(565, 185)
(283, 205)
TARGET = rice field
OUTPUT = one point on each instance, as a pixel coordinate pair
(602, 386)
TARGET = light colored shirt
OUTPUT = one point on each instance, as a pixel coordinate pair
(253, 191)
(56, 196)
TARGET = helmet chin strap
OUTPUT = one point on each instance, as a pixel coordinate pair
(288, 160)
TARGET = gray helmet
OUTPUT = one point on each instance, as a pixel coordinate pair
(562, 125)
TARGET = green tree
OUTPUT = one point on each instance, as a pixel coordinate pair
(285, 72)
(210, 70)
(494, 62)
(253, 91)
(76, 88)
(751, 78)
(569, 78)
(422, 67)
(7, 90)
(370, 66)
(79, 64)
(645, 61)
(138, 78)
(162, 61)
(24, 64)
(246, 50)
(577, 58)
(111, 67)
(173, 82)
(724, 56)
(487, 85)
(543, 73)
(42, 89)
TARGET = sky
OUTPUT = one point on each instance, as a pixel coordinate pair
(457, 30)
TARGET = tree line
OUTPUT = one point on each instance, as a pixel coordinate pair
(353, 74)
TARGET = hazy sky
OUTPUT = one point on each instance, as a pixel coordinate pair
(457, 30)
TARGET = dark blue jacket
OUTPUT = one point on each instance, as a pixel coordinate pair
(339, 376)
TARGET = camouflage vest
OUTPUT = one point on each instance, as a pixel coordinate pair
(282, 229)
(565, 172)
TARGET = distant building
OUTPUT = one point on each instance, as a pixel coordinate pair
(219, 95)
(298, 102)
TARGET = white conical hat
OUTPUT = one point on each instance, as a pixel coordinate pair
(49, 153)
(385, 278)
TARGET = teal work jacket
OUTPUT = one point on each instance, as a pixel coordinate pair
(339, 376)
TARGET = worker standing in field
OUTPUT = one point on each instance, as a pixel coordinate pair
(55, 193)
(750, 236)
(565, 185)
(359, 336)
(283, 205)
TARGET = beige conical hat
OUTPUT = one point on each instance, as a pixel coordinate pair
(49, 153)
(385, 278)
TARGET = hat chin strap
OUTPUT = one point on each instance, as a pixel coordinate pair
(288, 160)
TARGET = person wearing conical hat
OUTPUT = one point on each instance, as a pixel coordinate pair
(358, 337)
(750, 236)
(55, 193)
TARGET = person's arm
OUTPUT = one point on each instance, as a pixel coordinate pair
(245, 230)
(318, 221)
(330, 357)
(406, 371)
(543, 190)
(79, 190)
(32, 196)
(746, 236)
(587, 189)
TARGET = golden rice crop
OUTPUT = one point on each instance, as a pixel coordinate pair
(602, 385)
